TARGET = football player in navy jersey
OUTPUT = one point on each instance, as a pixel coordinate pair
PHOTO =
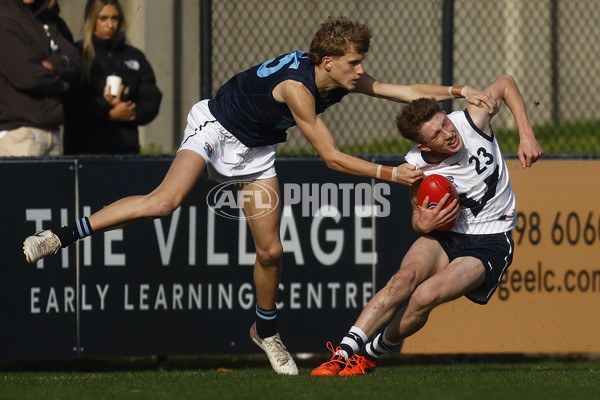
(234, 136)
(471, 258)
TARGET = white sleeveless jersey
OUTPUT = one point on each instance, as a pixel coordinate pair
(480, 176)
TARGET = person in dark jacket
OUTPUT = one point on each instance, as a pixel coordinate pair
(55, 27)
(96, 121)
(51, 17)
(37, 64)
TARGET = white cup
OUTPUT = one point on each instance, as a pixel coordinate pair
(114, 84)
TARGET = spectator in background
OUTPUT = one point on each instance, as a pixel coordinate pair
(37, 64)
(54, 26)
(96, 121)
(51, 17)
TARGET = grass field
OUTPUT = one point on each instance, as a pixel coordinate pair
(397, 377)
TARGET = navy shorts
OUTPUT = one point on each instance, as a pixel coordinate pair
(494, 250)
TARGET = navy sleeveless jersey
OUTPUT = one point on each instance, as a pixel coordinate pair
(245, 105)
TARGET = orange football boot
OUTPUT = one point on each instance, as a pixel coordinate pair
(358, 365)
(333, 366)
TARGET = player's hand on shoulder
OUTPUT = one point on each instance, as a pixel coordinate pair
(481, 99)
(407, 174)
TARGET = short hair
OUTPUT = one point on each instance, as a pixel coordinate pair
(338, 37)
(414, 115)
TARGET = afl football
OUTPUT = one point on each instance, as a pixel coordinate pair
(436, 186)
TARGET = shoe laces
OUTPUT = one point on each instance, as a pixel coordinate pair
(356, 362)
(46, 244)
(337, 357)
(278, 348)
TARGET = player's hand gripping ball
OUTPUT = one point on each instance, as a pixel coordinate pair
(436, 186)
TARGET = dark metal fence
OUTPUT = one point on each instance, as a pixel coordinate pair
(549, 46)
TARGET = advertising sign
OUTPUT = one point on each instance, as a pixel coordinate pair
(183, 284)
(38, 302)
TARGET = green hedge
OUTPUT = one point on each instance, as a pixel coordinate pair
(563, 138)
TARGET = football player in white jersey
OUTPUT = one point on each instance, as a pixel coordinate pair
(470, 259)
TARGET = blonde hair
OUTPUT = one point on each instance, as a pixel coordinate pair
(338, 37)
(92, 9)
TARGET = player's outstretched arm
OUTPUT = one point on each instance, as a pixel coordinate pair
(302, 106)
(407, 93)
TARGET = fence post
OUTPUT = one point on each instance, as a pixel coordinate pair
(206, 49)
(447, 47)
(554, 59)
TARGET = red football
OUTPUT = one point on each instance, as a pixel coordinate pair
(436, 186)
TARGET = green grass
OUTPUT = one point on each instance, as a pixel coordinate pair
(577, 138)
(238, 378)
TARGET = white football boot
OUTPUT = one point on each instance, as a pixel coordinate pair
(40, 245)
(281, 360)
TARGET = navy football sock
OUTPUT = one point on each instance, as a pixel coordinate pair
(79, 229)
(378, 346)
(353, 341)
(266, 322)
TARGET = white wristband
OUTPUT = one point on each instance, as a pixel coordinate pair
(379, 171)
(450, 91)
(463, 91)
(394, 173)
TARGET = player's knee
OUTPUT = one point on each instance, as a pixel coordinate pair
(270, 255)
(164, 209)
(426, 298)
(159, 206)
(402, 280)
